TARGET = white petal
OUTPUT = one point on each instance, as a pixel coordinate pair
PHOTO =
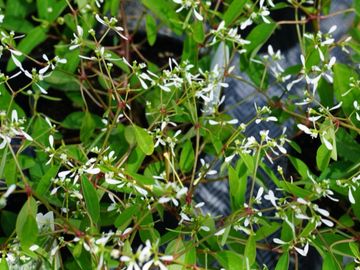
(221, 232)
(198, 15)
(332, 29)
(93, 170)
(14, 116)
(279, 241)
(63, 174)
(27, 136)
(17, 62)
(229, 158)
(9, 190)
(327, 144)
(111, 181)
(167, 258)
(51, 141)
(42, 90)
(164, 199)
(327, 222)
(213, 123)
(351, 196)
(233, 122)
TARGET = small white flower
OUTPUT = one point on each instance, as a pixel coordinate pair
(271, 197)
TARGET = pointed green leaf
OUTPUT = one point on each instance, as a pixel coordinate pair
(151, 31)
(322, 157)
(45, 181)
(198, 31)
(87, 127)
(187, 157)
(258, 36)
(91, 199)
(237, 184)
(144, 140)
(283, 262)
(26, 226)
(250, 252)
(233, 11)
(3, 264)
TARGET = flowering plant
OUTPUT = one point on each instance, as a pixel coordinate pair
(109, 141)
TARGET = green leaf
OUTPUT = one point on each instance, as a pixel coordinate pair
(7, 221)
(151, 30)
(342, 75)
(258, 36)
(228, 259)
(55, 6)
(225, 236)
(266, 230)
(27, 44)
(326, 93)
(300, 167)
(357, 7)
(118, 61)
(10, 172)
(323, 156)
(29, 231)
(237, 184)
(125, 218)
(198, 31)
(354, 249)
(295, 146)
(190, 257)
(250, 252)
(283, 262)
(3, 161)
(165, 10)
(63, 79)
(135, 160)
(45, 181)
(329, 262)
(190, 50)
(346, 221)
(3, 264)
(144, 140)
(14, 24)
(309, 228)
(81, 256)
(87, 127)
(187, 157)
(130, 135)
(6, 100)
(18, 8)
(26, 227)
(75, 120)
(294, 189)
(145, 180)
(258, 74)
(233, 11)
(91, 199)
